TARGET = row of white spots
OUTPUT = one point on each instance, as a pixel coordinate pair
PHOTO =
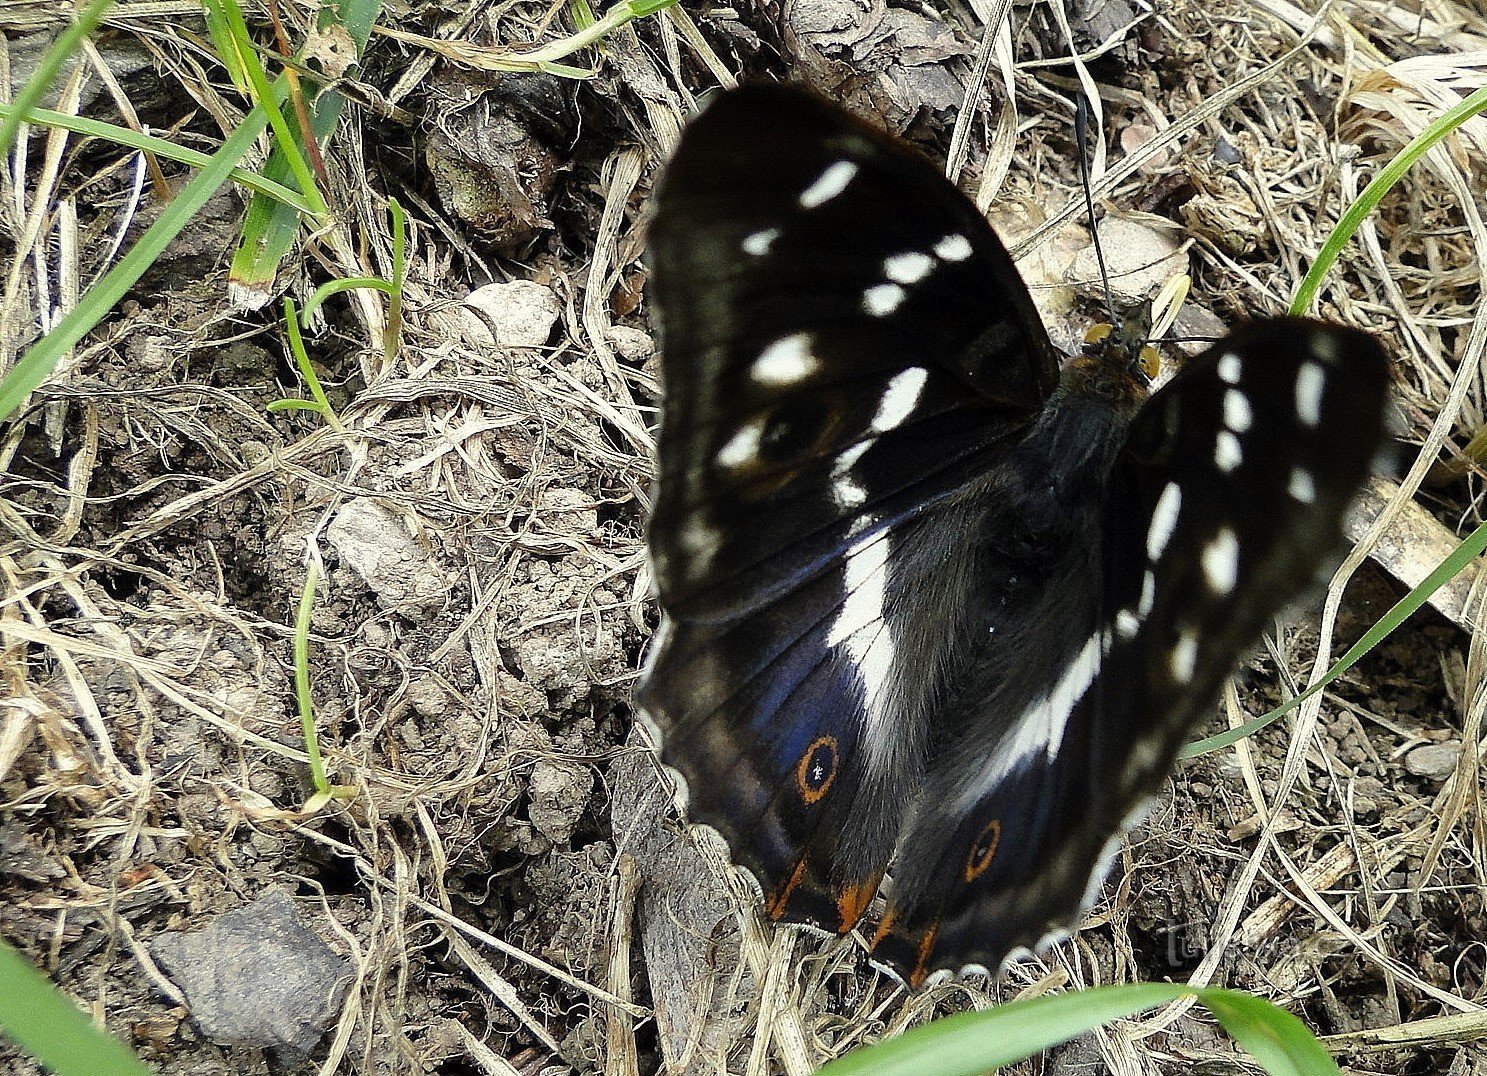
(910, 267)
(1228, 453)
(1311, 382)
(1039, 729)
(845, 489)
(863, 632)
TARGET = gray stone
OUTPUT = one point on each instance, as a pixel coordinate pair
(1435, 760)
(258, 977)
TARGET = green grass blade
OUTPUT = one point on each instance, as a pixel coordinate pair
(596, 31)
(124, 136)
(970, 1043)
(302, 689)
(45, 1023)
(286, 138)
(1372, 194)
(1272, 1036)
(345, 283)
(270, 228)
(219, 28)
(46, 72)
(39, 361)
(1470, 548)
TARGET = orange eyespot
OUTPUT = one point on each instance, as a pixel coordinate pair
(1098, 332)
(816, 769)
(983, 849)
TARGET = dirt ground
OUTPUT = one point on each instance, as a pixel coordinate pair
(506, 890)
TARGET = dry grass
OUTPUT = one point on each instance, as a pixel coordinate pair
(154, 528)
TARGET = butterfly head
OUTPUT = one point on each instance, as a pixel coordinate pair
(1117, 363)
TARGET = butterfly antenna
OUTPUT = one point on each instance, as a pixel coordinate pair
(1081, 141)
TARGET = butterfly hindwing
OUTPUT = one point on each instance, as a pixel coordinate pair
(846, 347)
(1225, 501)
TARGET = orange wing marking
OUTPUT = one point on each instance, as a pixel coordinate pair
(983, 849)
(781, 899)
(852, 902)
(816, 770)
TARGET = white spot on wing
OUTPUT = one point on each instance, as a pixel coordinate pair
(1237, 413)
(1185, 656)
(1127, 623)
(1221, 562)
(1040, 728)
(1148, 595)
(871, 652)
(1303, 487)
(1226, 452)
(828, 184)
(1325, 347)
(845, 489)
(1229, 367)
(880, 300)
(742, 447)
(909, 267)
(785, 361)
(758, 243)
(900, 398)
(1163, 521)
(866, 579)
(953, 248)
(1310, 380)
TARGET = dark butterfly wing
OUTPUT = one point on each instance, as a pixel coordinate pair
(846, 347)
(1224, 503)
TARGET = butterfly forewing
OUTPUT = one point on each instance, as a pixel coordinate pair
(836, 345)
(842, 357)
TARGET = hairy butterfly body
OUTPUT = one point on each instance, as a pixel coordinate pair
(931, 606)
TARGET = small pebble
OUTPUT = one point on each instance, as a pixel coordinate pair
(1435, 760)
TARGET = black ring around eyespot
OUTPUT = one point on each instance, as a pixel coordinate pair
(983, 849)
(816, 769)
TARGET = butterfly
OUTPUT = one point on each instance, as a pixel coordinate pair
(935, 605)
